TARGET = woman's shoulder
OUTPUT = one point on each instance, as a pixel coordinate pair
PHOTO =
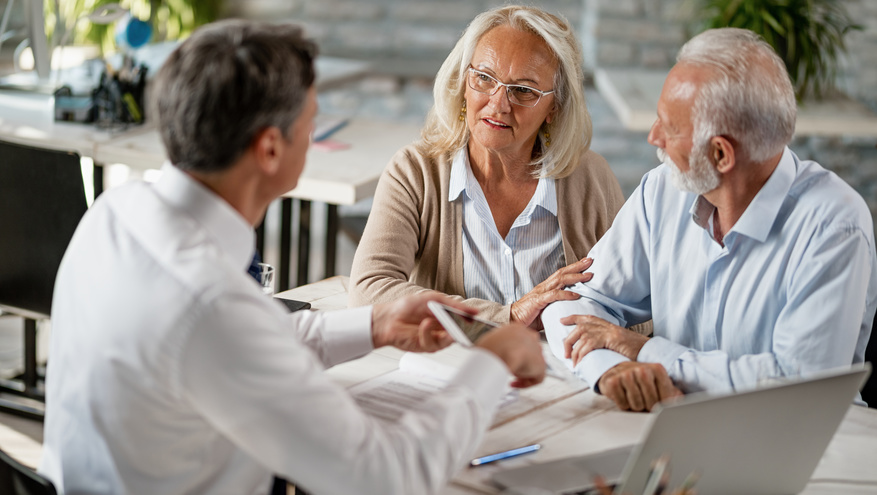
(594, 182)
(592, 166)
(415, 170)
(417, 161)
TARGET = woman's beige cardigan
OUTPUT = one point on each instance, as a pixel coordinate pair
(413, 239)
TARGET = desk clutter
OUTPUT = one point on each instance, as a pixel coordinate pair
(117, 100)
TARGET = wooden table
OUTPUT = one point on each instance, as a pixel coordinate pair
(570, 419)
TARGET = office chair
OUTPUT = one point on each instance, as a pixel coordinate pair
(869, 391)
(18, 479)
(42, 199)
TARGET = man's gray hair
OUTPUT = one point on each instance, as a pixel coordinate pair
(226, 83)
(571, 127)
(750, 96)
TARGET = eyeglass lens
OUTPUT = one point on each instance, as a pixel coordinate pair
(520, 95)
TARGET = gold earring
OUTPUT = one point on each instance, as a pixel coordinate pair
(463, 112)
(547, 138)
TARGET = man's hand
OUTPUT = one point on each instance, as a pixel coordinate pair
(527, 309)
(409, 325)
(592, 332)
(520, 350)
(637, 386)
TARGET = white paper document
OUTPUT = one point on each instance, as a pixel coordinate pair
(418, 377)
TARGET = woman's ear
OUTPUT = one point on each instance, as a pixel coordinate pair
(550, 115)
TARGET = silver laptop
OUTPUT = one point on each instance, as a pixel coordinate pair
(767, 440)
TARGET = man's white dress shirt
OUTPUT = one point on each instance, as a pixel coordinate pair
(505, 269)
(792, 291)
(171, 372)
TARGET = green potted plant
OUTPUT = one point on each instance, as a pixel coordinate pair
(170, 19)
(807, 34)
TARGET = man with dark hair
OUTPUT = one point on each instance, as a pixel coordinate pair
(752, 263)
(171, 371)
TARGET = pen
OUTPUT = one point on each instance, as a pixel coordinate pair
(654, 482)
(505, 455)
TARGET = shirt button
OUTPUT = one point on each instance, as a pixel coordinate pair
(508, 251)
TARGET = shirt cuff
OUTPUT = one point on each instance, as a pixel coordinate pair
(348, 333)
(662, 351)
(597, 362)
(486, 375)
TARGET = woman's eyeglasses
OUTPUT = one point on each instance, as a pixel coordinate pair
(524, 96)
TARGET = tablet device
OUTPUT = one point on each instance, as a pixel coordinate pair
(292, 305)
(464, 328)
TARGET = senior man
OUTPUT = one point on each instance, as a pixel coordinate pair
(752, 263)
(171, 371)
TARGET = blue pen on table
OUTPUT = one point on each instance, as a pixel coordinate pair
(505, 455)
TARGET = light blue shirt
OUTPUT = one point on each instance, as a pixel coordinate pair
(504, 270)
(791, 292)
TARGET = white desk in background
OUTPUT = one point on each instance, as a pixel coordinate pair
(28, 118)
(339, 177)
(569, 420)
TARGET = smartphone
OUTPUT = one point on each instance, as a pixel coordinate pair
(464, 328)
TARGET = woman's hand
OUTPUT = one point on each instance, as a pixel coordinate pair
(528, 309)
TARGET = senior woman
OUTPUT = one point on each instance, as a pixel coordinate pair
(502, 198)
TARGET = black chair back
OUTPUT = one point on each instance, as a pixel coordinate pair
(42, 199)
(18, 479)
(869, 391)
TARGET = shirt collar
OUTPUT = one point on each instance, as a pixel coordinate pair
(461, 179)
(231, 232)
(459, 174)
(545, 195)
(758, 218)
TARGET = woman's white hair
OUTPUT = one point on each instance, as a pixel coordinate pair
(570, 132)
(750, 96)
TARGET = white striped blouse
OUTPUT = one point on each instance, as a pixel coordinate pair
(504, 270)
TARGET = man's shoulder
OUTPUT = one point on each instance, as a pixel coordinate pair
(819, 191)
(142, 226)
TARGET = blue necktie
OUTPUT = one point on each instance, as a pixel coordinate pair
(278, 485)
(254, 270)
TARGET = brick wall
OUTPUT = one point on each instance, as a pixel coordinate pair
(632, 33)
(859, 68)
(410, 37)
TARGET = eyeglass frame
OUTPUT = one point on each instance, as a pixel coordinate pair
(499, 83)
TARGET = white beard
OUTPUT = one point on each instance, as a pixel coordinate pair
(701, 177)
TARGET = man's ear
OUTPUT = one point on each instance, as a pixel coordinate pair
(722, 154)
(267, 149)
